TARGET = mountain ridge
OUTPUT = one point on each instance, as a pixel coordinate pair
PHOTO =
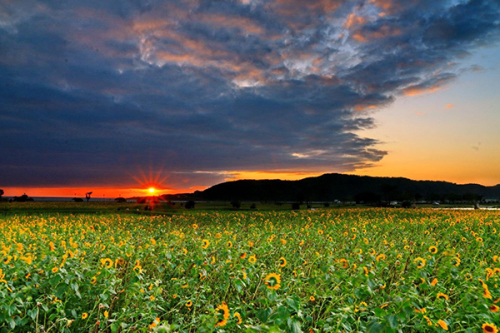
(335, 186)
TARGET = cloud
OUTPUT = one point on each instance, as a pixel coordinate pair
(449, 106)
(93, 91)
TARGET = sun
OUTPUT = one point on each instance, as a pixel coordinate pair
(151, 190)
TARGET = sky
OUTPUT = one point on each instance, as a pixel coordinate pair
(116, 97)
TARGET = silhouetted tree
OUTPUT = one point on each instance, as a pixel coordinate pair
(253, 206)
(87, 196)
(236, 204)
(296, 206)
(23, 198)
(190, 204)
(366, 197)
(77, 199)
(1, 193)
(120, 200)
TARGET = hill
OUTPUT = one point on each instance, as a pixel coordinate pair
(330, 187)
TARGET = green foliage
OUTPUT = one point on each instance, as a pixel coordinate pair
(352, 270)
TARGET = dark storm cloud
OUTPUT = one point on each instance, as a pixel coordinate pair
(93, 91)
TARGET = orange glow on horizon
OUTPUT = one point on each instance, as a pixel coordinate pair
(111, 193)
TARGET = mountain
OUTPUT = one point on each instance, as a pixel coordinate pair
(334, 186)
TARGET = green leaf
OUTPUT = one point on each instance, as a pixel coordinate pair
(294, 325)
(375, 327)
(393, 321)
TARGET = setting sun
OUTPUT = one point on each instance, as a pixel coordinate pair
(151, 190)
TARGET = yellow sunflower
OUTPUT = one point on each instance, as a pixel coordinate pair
(282, 262)
(443, 324)
(108, 263)
(493, 308)
(489, 328)
(252, 259)
(85, 315)
(205, 243)
(273, 281)
(237, 315)
(433, 249)
(442, 295)
(420, 262)
(224, 310)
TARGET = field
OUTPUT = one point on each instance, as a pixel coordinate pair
(328, 270)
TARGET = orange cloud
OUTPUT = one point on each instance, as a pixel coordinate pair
(259, 175)
(416, 90)
(449, 106)
(354, 20)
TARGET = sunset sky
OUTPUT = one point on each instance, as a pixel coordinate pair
(119, 96)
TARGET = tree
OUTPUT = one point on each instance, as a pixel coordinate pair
(1, 193)
(190, 204)
(120, 200)
(87, 196)
(236, 204)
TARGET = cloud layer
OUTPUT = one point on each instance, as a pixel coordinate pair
(94, 91)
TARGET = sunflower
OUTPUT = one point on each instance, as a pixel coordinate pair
(188, 303)
(433, 249)
(237, 315)
(429, 322)
(55, 269)
(106, 314)
(7, 259)
(93, 280)
(441, 295)
(229, 244)
(205, 243)
(273, 281)
(225, 314)
(372, 252)
(252, 259)
(493, 308)
(108, 263)
(380, 257)
(420, 262)
(312, 299)
(282, 262)
(434, 282)
(443, 324)
(457, 261)
(489, 328)
(243, 256)
(85, 315)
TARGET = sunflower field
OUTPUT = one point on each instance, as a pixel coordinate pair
(328, 270)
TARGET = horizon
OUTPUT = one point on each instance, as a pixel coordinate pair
(77, 193)
(117, 98)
